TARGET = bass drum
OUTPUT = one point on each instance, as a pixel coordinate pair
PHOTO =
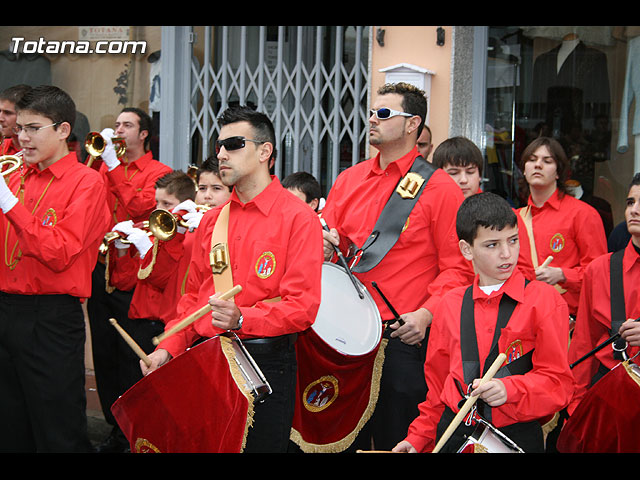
(347, 323)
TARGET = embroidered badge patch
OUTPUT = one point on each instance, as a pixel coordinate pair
(266, 265)
(320, 394)
(514, 351)
(557, 243)
(50, 218)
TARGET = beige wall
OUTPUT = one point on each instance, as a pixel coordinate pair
(416, 45)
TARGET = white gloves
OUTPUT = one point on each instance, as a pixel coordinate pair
(7, 199)
(125, 228)
(141, 241)
(192, 217)
(109, 155)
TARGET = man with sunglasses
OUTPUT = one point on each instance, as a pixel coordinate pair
(424, 262)
(275, 250)
(54, 211)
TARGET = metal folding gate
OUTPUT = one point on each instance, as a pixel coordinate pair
(312, 81)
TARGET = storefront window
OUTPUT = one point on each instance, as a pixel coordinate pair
(104, 69)
(575, 84)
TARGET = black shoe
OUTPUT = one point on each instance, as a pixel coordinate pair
(116, 442)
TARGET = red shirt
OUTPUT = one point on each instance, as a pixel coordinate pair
(426, 260)
(54, 232)
(132, 192)
(534, 325)
(570, 230)
(593, 322)
(9, 148)
(275, 227)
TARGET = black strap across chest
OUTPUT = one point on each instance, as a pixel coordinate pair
(389, 225)
(618, 308)
(469, 342)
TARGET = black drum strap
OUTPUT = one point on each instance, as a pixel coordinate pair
(618, 308)
(389, 225)
(469, 343)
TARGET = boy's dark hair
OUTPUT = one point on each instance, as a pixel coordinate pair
(211, 165)
(634, 181)
(145, 123)
(261, 124)
(484, 209)
(51, 102)
(414, 100)
(459, 152)
(306, 183)
(558, 154)
(15, 93)
(178, 184)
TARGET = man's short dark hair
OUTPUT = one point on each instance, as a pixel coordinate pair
(145, 123)
(261, 124)
(306, 183)
(459, 152)
(414, 100)
(484, 209)
(51, 102)
(15, 93)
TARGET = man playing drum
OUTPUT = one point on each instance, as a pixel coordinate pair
(595, 321)
(421, 265)
(500, 313)
(274, 254)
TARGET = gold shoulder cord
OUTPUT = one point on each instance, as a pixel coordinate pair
(9, 258)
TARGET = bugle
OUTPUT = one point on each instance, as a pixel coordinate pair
(9, 164)
(95, 144)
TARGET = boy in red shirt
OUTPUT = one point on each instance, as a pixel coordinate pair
(535, 382)
(594, 322)
(54, 215)
(462, 160)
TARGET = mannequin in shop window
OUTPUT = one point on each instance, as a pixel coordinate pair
(631, 91)
(571, 88)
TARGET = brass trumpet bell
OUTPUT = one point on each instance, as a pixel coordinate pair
(163, 224)
(95, 144)
(9, 164)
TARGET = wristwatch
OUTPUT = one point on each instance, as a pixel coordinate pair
(240, 320)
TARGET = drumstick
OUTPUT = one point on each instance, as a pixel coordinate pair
(343, 261)
(471, 400)
(547, 261)
(194, 316)
(610, 340)
(391, 309)
(134, 346)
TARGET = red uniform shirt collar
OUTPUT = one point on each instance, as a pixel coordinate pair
(402, 164)
(143, 161)
(513, 286)
(630, 257)
(553, 201)
(59, 167)
(265, 200)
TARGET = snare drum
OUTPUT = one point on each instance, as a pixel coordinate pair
(347, 323)
(487, 439)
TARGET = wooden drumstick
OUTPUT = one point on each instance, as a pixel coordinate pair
(134, 346)
(495, 366)
(194, 316)
(547, 261)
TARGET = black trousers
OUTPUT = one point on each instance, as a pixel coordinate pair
(42, 378)
(273, 417)
(106, 342)
(402, 389)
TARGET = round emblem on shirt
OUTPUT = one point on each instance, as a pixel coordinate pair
(50, 218)
(321, 393)
(266, 265)
(556, 243)
(514, 351)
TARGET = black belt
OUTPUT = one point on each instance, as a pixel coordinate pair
(33, 300)
(269, 344)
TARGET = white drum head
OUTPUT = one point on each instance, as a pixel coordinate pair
(347, 323)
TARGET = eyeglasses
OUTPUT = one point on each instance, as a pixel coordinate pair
(29, 129)
(385, 113)
(233, 143)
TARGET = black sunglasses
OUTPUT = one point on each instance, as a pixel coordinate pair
(233, 143)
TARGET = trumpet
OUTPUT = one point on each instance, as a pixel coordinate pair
(95, 144)
(9, 164)
(162, 224)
